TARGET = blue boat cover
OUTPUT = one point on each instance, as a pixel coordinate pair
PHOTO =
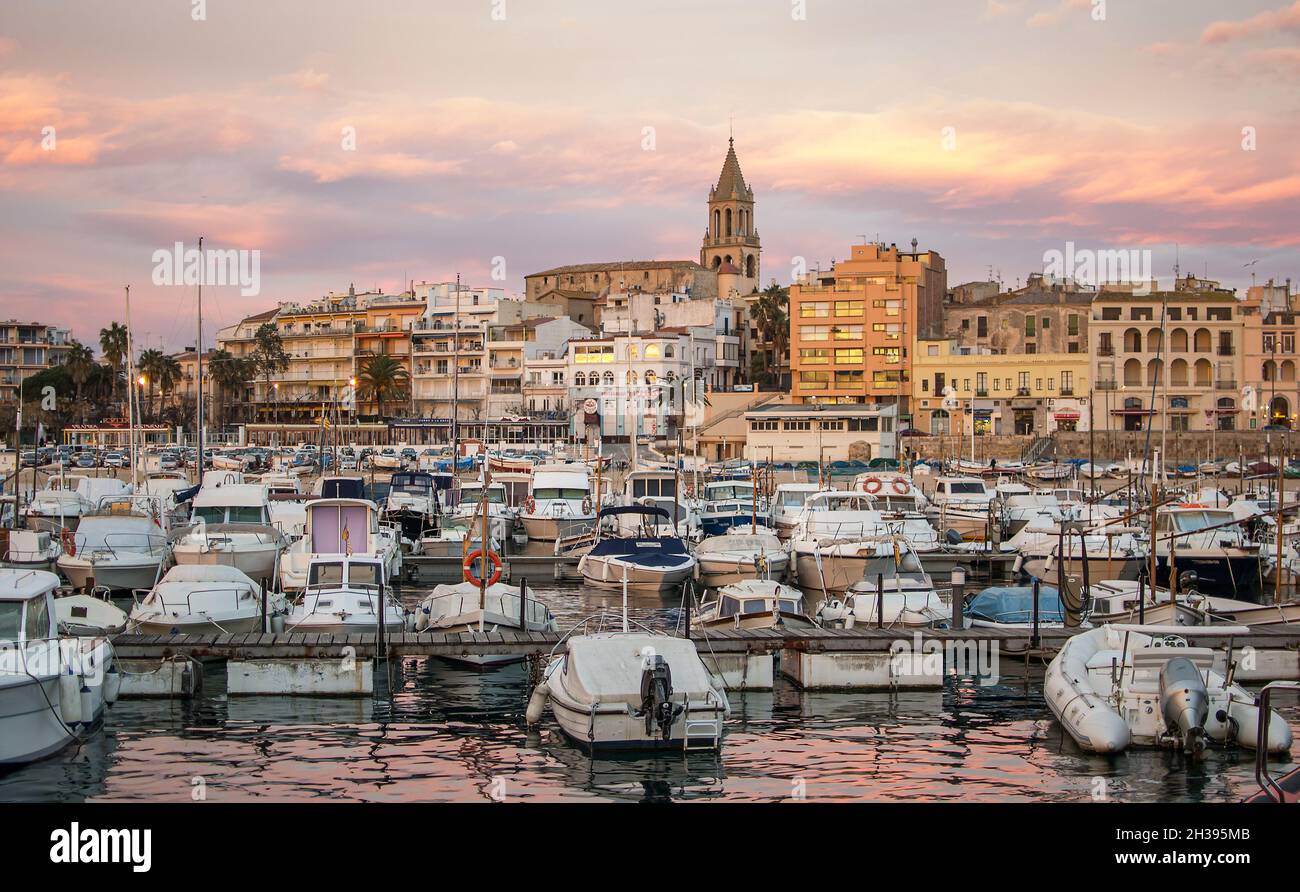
(1015, 604)
(648, 552)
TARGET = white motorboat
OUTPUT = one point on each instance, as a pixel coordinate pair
(1120, 685)
(1211, 542)
(961, 504)
(340, 526)
(121, 546)
(753, 604)
(501, 517)
(739, 555)
(560, 504)
(89, 615)
(232, 527)
(787, 505)
(386, 460)
(463, 607)
(195, 598)
(412, 503)
(634, 689)
(32, 550)
(894, 586)
(52, 689)
(724, 504)
(58, 505)
(343, 595)
(646, 563)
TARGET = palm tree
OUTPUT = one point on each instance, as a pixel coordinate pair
(228, 373)
(382, 378)
(169, 375)
(771, 315)
(80, 362)
(150, 366)
(112, 343)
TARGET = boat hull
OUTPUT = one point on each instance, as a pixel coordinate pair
(1126, 568)
(31, 724)
(237, 625)
(609, 574)
(255, 562)
(540, 528)
(1227, 576)
(715, 572)
(117, 576)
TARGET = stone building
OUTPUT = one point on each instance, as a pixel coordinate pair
(1035, 319)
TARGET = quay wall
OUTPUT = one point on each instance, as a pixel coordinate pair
(1185, 447)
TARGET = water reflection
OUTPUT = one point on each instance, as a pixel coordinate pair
(439, 732)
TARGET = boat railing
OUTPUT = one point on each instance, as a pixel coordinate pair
(597, 623)
(1266, 781)
(125, 543)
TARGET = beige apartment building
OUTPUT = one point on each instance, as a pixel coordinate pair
(26, 349)
(1036, 319)
(1206, 334)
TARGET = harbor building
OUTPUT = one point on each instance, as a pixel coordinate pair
(851, 328)
(1024, 394)
(26, 349)
(795, 432)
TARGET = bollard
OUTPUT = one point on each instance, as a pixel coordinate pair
(958, 597)
(1033, 640)
(880, 600)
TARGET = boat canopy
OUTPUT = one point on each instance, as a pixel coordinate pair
(343, 488)
(649, 510)
(1015, 604)
(645, 550)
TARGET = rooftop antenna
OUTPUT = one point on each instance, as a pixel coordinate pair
(1251, 267)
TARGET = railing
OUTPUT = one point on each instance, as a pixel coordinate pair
(1225, 385)
(1106, 350)
(1226, 350)
(1067, 391)
(1022, 391)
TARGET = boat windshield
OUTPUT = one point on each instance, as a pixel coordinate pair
(793, 499)
(232, 514)
(474, 494)
(717, 493)
(966, 488)
(1191, 521)
(552, 492)
(11, 618)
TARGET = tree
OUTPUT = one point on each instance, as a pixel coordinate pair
(80, 362)
(268, 356)
(228, 373)
(771, 315)
(382, 378)
(169, 375)
(113, 344)
(150, 366)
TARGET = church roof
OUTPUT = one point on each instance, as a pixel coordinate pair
(615, 265)
(731, 182)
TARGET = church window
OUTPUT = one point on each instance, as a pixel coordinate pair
(749, 266)
(728, 221)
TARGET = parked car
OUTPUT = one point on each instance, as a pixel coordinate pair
(114, 460)
(85, 460)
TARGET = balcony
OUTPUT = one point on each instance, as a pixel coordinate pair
(1022, 391)
(981, 393)
(1067, 391)
(1106, 350)
(1223, 384)
(1226, 350)
(1105, 385)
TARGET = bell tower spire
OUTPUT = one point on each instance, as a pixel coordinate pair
(731, 245)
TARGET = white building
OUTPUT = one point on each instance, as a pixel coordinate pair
(821, 431)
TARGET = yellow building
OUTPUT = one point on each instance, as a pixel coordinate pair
(1027, 394)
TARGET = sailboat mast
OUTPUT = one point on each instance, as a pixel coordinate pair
(130, 395)
(455, 381)
(198, 377)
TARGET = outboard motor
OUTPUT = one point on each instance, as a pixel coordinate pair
(952, 537)
(1184, 702)
(656, 696)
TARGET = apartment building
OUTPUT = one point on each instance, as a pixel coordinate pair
(26, 349)
(386, 331)
(626, 385)
(1014, 393)
(1039, 318)
(851, 328)
(1206, 332)
(636, 311)
(1271, 313)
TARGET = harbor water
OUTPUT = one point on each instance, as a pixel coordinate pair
(436, 732)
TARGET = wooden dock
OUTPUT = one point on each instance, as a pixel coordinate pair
(503, 641)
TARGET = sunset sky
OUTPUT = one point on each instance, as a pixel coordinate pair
(523, 138)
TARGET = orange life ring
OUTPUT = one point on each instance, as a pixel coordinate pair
(900, 486)
(473, 557)
(69, 542)
(873, 485)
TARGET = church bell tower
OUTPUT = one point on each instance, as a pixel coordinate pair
(731, 246)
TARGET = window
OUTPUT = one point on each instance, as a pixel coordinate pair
(848, 332)
(832, 425)
(852, 379)
(1072, 325)
(1111, 314)
(848, 308)
(1045, 323)
(815, 332)
(1031, 348)
(814, 310)
(1024, 380)
(754, 426)
(813, 381)
(652, 351)
(797, 424)
(1029, 326)
(854, 356)
(814, 356)
(981, 382)
(1067, 381)
(982, 326)
(891, 354)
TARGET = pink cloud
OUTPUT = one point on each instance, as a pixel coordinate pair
(1285, 19)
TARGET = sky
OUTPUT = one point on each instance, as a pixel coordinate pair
(379, 141)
